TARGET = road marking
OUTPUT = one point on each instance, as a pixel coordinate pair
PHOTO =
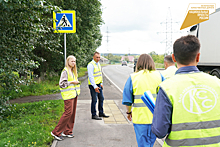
(160, 141)
(111, 81)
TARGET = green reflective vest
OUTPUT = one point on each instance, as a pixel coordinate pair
(170, 71)
(97, 73)
(196, 109)
(72, 90)
(141, 82)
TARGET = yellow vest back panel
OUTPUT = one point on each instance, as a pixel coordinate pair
(141, 82)
(196, 109)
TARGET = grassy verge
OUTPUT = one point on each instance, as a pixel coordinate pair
(30, 124)
(49, 86)
(82, 71)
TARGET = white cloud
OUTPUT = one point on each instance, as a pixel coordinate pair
(135, 25)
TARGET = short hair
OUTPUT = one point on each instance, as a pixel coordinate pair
(168, 58)
(96, 53)
(145, 62)
(185, 49)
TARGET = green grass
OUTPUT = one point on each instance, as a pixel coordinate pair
(82, 71)
(30, 124)
(48, 86)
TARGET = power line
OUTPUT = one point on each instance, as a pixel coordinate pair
(169, 31)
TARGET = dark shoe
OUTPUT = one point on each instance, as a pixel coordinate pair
(103, 115)
(96, 117)
(57, 137)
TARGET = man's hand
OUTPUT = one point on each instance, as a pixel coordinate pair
(97, 90)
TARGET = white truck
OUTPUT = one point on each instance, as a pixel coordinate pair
(208, 33)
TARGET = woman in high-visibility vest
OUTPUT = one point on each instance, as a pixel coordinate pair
(145, 78)
(70, 89)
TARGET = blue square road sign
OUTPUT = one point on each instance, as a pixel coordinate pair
(64, 21)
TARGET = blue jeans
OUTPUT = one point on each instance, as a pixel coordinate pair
(94, 96)
(144, 135)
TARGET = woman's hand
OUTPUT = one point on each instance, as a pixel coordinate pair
(74, 82)
(129, 116)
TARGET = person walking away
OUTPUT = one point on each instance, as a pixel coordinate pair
(187, 106)
(145, 78)
(70, 89)
(95, 82)
(170, 68)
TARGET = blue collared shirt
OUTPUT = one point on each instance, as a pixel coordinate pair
(90, 69)
(162, 120)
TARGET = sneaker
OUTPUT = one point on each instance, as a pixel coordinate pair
(70, 135)
(57, 137)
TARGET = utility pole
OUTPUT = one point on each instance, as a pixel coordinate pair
(107, 42)
(169, 31)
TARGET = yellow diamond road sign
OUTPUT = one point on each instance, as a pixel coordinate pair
(64, 21)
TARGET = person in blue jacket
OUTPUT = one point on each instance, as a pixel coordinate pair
(145, 78)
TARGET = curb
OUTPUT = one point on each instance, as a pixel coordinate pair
(54, 143)
(83, 77)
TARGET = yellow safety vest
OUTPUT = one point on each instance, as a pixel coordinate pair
(141, 82)
(72, 90)
(97, 73)
(196, 110)
(169, 72)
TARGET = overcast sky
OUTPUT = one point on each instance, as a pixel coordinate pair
(139, 26)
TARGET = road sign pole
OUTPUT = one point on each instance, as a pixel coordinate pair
(64, 22)
(64, 49)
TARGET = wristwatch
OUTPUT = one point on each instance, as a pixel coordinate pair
(129, 112)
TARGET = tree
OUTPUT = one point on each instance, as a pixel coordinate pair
(113, 58)
(22, 25)
(157, 58)
(28, 42)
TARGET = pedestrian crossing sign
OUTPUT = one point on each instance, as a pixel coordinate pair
(64, 21)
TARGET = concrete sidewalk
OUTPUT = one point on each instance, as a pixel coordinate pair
(108, 132)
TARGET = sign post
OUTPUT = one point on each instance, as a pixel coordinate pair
(64, 22)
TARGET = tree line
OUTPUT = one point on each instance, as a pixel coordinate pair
(29, 45)
(117, 58)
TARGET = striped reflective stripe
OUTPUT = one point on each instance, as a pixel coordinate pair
(139, 96)
(195, 125)
(193, 141)
(98, 75)
(76, 88)
(97, 72)
(139, 105)
(73, 85)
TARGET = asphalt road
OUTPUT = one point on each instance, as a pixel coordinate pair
(118, 74)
